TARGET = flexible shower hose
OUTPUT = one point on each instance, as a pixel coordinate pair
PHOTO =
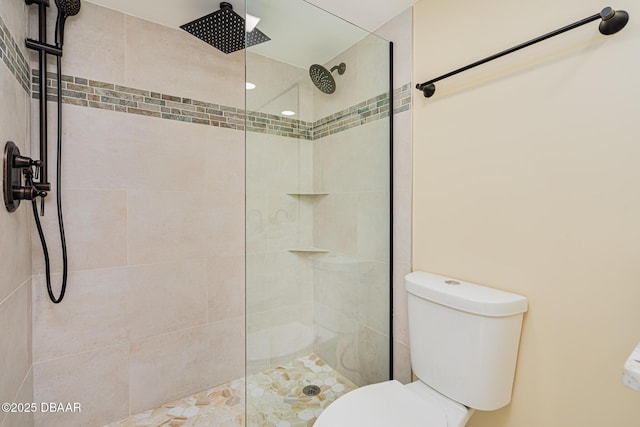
(47, 262)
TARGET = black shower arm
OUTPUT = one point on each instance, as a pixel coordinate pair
(428, 88)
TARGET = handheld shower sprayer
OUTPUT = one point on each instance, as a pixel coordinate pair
(66, 8)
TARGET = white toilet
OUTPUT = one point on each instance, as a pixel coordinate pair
(464, 345)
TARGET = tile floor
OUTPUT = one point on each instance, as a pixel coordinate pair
(275, 399)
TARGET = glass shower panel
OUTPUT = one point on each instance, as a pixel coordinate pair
(318, 212)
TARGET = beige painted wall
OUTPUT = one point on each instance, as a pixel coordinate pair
(526, 178)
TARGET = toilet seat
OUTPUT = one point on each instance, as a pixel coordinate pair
(382, 405)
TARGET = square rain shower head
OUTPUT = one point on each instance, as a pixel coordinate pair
(224, 30)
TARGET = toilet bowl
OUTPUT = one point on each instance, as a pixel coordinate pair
(392, 404)
(464, 342)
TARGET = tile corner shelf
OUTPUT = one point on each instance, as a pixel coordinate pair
(309, 250)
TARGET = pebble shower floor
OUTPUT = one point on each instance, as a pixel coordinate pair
(275, 400)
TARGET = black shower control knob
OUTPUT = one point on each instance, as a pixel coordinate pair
(24, 162)
(28, 193)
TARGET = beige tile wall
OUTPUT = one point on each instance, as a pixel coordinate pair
(342, 220)
(155, 231)
(156, 274)
(279, 283)
(279, 85)
(25, 394)
(98, 380)
(351, 284)
(157, 364)
(350, 288)
(364, 78)
(16, 382)
(15, 364)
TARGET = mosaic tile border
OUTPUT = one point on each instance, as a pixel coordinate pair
(276, 125)
(109, 96)
(365, 112)
(13, 58)
(402, 98)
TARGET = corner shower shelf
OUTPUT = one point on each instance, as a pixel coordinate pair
(308, 194)
(309, 250)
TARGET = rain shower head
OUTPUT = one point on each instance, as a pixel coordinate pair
(225, 30)
(322, 78)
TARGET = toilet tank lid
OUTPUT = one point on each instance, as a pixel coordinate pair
(465, 296)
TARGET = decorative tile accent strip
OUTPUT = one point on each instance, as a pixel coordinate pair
(365, 112)
(107, 96)
(13, 58)
(402, 99)
(276, 125)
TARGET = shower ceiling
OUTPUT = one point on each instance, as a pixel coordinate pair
(318, 37)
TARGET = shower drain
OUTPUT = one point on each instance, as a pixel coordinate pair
(311, 390)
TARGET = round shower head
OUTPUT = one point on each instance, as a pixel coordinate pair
(68, 7)
(612, 21)
(322, 78)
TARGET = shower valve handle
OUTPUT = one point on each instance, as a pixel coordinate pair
(27, 193)
(27, 162)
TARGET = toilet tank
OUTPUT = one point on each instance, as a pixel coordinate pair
(464, 338)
